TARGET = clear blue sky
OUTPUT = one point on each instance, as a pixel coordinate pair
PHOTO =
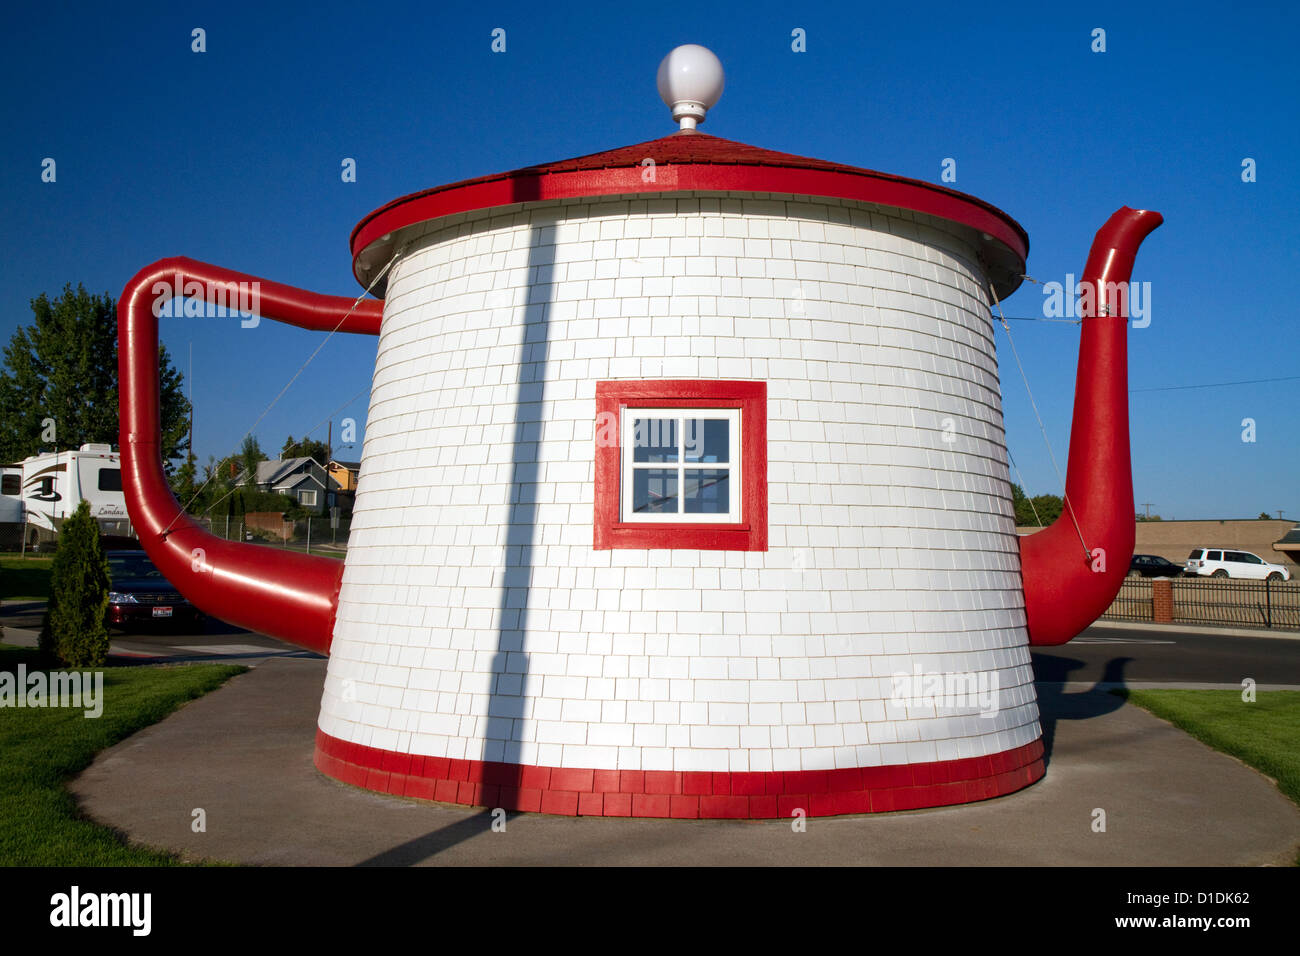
(233, 157)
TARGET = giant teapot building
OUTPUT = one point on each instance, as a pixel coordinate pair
(681, 460)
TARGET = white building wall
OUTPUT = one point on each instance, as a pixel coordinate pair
(477, 622)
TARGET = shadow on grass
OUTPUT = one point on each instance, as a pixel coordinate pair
(11, 657)
(25, 578)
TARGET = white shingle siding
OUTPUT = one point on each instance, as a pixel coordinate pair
(475, 619)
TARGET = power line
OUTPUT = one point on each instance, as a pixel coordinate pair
(1040, 318)
(1218, 384)
(1158, 388)
(330, 416)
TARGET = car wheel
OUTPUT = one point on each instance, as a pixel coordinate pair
(1274, 576)
(1219, 574)
(1135, 574)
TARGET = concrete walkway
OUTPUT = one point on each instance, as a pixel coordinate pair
(244, 755)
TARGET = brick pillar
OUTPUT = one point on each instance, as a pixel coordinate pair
(1162, 601)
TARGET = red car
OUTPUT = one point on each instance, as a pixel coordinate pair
(139, 594)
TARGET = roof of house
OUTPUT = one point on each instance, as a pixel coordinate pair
(291, 481)
(276, 470)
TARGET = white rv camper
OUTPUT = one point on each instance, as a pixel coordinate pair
(13, 517)
(53, 484)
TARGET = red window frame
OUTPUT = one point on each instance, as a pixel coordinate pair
(613, 398)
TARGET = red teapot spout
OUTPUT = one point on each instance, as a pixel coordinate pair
(1074, 568)
(287, 595)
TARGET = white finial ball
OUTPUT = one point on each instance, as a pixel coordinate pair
(690, 81)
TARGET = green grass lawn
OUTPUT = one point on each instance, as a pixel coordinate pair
(24, 577)
(1265, 734)
(40, 749)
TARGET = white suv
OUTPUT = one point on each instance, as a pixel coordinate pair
(1220, 563)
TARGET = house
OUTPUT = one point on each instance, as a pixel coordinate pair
(344, 475)
(302, 479)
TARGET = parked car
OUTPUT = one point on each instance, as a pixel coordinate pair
(1222, 563)
(1153, 566)
(139, 594)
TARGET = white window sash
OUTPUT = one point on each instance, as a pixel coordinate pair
(627, 467)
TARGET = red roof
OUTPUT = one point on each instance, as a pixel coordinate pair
(691, 162)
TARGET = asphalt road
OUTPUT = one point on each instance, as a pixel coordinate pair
(166, 641)
(1125, 655)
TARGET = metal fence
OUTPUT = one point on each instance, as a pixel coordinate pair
(311, 535)
(1133, 603)
(1246, 603)
(27, 539)
(1196, 600)
(318, 535)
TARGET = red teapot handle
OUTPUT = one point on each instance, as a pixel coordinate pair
(287, 595)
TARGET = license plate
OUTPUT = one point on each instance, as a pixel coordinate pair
(162, 612)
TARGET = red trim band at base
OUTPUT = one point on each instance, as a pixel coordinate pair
(670, 793)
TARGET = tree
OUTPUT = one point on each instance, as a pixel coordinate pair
(73, 629)
(199, 495)
(183, 481)
(58, 388)
(250, 453)
(1146, 517)
(1041, 509)
(1021, 505)
(306, 448)
(1263, 516)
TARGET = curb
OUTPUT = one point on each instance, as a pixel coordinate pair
(1083, 686)
(1224, 631)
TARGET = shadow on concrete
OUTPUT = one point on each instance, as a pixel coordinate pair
(421, 848)
(1054, 704)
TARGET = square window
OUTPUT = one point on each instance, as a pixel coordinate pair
(686, 439)
(681, 464)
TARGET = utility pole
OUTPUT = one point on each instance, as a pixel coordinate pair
(193, 457)
(1147, 505)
